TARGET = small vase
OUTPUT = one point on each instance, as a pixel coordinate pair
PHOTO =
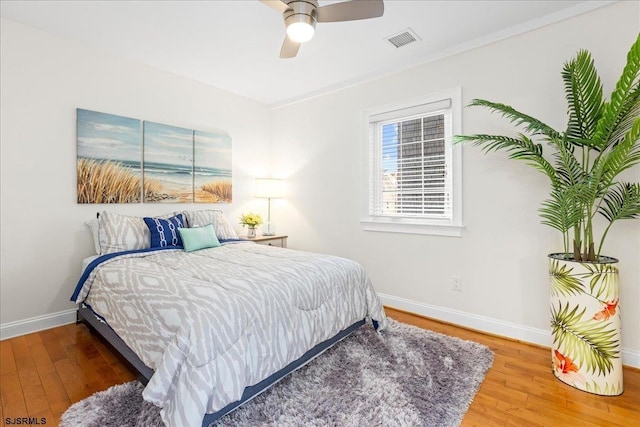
(251, 232)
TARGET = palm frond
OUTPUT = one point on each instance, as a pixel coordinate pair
(621, 202)
(613, 112)
(625, 155)
(530, 124)
(568, 168)
(521, 148)
(609, 165)
(583, 90)
(630, 112)
(562, 212)
(590, 342)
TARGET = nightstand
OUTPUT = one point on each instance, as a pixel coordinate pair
(277, 240)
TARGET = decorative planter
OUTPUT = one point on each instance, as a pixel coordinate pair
(251, 232)
(585, 324)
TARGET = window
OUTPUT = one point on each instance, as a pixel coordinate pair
(414, 170)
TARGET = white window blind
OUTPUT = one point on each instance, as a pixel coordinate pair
(411, 164)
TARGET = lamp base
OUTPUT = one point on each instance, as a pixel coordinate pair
(269, 229)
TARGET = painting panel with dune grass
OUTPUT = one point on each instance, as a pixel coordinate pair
(212, 168)
(109, 158)
(168, 163)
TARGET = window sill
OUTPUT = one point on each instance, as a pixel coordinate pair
(412, 227)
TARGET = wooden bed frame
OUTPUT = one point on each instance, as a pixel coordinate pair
(87, 316)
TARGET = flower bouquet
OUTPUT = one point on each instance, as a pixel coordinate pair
(251, 220)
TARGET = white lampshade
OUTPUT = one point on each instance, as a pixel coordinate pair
(269, 188)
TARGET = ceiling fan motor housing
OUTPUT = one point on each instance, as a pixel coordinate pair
(301, 11)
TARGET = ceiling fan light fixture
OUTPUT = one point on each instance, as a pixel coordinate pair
(300, 28)
(300, 17)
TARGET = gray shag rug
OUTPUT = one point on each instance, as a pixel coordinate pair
(403, 376)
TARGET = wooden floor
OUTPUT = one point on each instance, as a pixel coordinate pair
(520, 390)
(45, 372)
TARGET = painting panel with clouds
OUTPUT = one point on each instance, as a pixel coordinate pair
(168, 163)
(109, 158)
(212, 167)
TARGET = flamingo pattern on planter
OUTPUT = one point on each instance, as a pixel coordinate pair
(585, 322)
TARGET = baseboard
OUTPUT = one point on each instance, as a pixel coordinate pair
(489, 325)
(510, 330)
(38, 323)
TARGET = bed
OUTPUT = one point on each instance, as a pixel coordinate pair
(211, 328)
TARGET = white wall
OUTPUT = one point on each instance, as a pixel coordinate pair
(43, 80)
(320, 148)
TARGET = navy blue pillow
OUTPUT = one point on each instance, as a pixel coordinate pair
(164, 232)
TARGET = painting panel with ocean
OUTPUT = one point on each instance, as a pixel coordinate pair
(109, 158)
(168, 163)
(212, 167)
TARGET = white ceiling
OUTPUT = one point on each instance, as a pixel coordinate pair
(234, 44)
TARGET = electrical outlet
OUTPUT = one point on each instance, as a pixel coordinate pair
(456, 284)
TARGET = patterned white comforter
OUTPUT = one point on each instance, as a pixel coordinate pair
(214, 321)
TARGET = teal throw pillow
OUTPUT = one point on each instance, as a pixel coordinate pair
(197, 238)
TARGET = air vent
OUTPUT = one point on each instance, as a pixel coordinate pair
(403, 38)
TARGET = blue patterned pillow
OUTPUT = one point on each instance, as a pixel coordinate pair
(164, 232)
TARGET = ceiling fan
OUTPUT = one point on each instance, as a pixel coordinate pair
(300, 17)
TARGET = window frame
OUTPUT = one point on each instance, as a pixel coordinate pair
(424, 105)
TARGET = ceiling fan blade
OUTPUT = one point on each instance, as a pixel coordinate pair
(350, 10)
(289, 48)
(278, 5)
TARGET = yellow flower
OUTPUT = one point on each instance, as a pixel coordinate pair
(251, 219)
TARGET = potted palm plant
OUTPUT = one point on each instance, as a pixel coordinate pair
(601, 141)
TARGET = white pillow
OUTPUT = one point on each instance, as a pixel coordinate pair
(94, 227)
(224, 229)
(119, 233)
(122, 233)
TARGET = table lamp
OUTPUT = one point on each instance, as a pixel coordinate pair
(268, 188)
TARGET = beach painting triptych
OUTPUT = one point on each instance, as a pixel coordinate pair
(125, 160)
